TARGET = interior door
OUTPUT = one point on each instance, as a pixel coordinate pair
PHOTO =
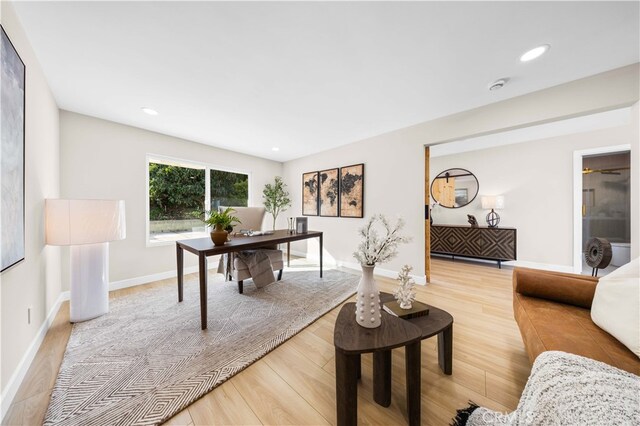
(427, 217)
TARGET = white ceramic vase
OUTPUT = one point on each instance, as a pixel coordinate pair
(368, 303)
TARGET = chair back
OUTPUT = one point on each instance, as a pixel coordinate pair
(251, 218)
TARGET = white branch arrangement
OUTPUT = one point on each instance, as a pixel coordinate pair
(404, 294)
(376, 249)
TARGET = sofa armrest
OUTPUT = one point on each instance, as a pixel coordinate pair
(571, 289)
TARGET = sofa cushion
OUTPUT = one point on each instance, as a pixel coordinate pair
(616, 305)
(546, 325)
(560, 287)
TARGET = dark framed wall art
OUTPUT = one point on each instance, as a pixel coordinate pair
(329, 181)
(12, 116)
(310, 192)
(352, 191)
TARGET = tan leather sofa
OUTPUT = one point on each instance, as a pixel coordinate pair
(553, 311)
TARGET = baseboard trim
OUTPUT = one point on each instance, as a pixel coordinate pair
(145, 279)
(19, 374)
(511, 263)
(545, 266)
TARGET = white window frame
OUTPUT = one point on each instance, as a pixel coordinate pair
(164, 159)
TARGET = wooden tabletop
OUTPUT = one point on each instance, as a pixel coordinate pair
(205, 245)
(350, 337)
(431, 324)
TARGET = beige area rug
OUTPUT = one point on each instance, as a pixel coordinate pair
(148, 358)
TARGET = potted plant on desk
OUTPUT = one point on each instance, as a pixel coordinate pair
(219, 221)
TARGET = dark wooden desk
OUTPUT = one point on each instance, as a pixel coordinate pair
(351, 340)
(203, 247)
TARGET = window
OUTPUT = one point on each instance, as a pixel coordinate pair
(179, 192)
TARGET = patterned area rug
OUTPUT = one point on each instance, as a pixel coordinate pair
(148, 359)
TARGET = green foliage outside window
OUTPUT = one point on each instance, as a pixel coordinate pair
(175, 192)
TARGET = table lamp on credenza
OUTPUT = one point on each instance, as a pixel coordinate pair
(87, 226)
(493, 202)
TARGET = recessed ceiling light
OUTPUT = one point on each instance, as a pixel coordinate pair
(275, 148)
(534, 53)
(149, 111)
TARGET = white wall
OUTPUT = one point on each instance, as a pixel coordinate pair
(635, 181)
(536, 179)
(34, 283)
(103, 159)
(394, 165)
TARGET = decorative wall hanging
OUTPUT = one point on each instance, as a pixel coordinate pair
(454, 188)
(329, 192)
(352, 191)
(310, 194)
(12, 87)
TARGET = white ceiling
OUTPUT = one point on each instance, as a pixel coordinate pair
(306, 77)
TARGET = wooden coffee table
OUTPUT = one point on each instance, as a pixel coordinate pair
(439, 323)
(351, 340)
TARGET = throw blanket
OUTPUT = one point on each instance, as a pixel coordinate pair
(567, 389)
(259, 266)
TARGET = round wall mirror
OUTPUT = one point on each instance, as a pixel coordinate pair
(454, 188)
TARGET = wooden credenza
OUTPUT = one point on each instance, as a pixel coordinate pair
(481, 242)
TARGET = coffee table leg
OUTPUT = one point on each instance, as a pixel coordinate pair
(382, 378)
(346, 389)
(413, 365)
(202, 269)
(445, 350)
(180, 261)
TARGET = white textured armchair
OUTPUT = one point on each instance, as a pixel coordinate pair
(251, 218)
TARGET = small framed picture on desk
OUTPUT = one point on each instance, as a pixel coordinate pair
(301, 225)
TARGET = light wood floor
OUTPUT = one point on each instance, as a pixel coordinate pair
(295, 384)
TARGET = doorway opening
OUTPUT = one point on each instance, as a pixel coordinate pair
(604, 205)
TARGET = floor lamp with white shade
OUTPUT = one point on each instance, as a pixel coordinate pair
(87, 226)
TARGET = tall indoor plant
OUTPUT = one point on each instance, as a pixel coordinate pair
(374, 249)
(276, 198)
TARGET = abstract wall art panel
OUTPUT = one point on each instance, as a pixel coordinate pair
(329, 192)
(12, 100)
(352, 191)
(310, 194)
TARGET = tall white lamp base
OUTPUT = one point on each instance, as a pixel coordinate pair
(89, 281)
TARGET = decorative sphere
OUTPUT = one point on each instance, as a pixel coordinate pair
(361, 309)
(373, 304)
(372, 295)
(361, 318)
(373, 312)
(373, 319)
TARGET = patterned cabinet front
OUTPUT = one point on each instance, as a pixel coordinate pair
(480, 242)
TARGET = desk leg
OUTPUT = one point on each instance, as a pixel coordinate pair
(445, 350)
(180, 261)
(288, 254)
(202, 269)
(320, 255)
(382, 378)
(346, 389)
(413, 365)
